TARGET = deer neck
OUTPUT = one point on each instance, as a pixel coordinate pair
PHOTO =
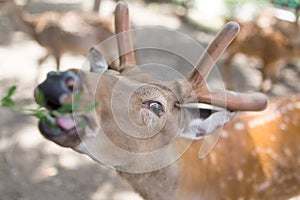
(18, 19)
(159, 184)
(179, 180)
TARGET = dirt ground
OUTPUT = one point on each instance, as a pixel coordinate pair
(32, 168)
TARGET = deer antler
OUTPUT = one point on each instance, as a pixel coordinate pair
(127, 58)
(232, 100)
(215, 50)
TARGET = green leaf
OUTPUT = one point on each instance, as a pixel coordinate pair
(37, 113)
(40, 97)
(43, 115)
(82, 123)
(65, 108)
(11, 91)
(76, 101)
(7, 101)
(91, 107)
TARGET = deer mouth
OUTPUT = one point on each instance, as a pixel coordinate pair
(61, 125)
(61, 122)
(65, 130)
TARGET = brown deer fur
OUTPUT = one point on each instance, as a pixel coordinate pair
(69, 32)
(275, 46)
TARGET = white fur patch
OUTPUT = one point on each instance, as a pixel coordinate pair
(199, 128)
(239, 126)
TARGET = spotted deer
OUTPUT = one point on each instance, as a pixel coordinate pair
(275, 46)
(69, 32)
(151, 130)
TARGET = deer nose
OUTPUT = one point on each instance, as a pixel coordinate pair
(56, 86)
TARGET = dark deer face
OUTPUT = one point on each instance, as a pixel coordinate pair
(137, 112)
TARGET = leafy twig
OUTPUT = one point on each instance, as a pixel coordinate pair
(41, 113)
(7, 101)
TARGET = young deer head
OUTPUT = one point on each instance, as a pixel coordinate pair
(140, 121)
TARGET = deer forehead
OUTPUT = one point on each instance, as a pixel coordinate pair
(128, 88)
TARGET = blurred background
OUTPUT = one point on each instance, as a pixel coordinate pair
(33, 40)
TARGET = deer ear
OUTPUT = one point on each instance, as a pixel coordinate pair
(205, 122)
(97, 62)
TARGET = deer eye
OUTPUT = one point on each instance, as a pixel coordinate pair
(155, 106)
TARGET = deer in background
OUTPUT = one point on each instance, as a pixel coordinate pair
(257, 156)
(69, 32)
(273, 41)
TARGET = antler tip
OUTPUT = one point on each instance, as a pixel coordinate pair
(122, 4)
(262, 101)
(233, 26)
(247, 101)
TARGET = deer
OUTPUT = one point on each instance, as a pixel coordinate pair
(60, 33)
(275, 46)
(150, 131)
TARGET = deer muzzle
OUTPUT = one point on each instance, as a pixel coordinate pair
(58, 123)
(56, 88)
